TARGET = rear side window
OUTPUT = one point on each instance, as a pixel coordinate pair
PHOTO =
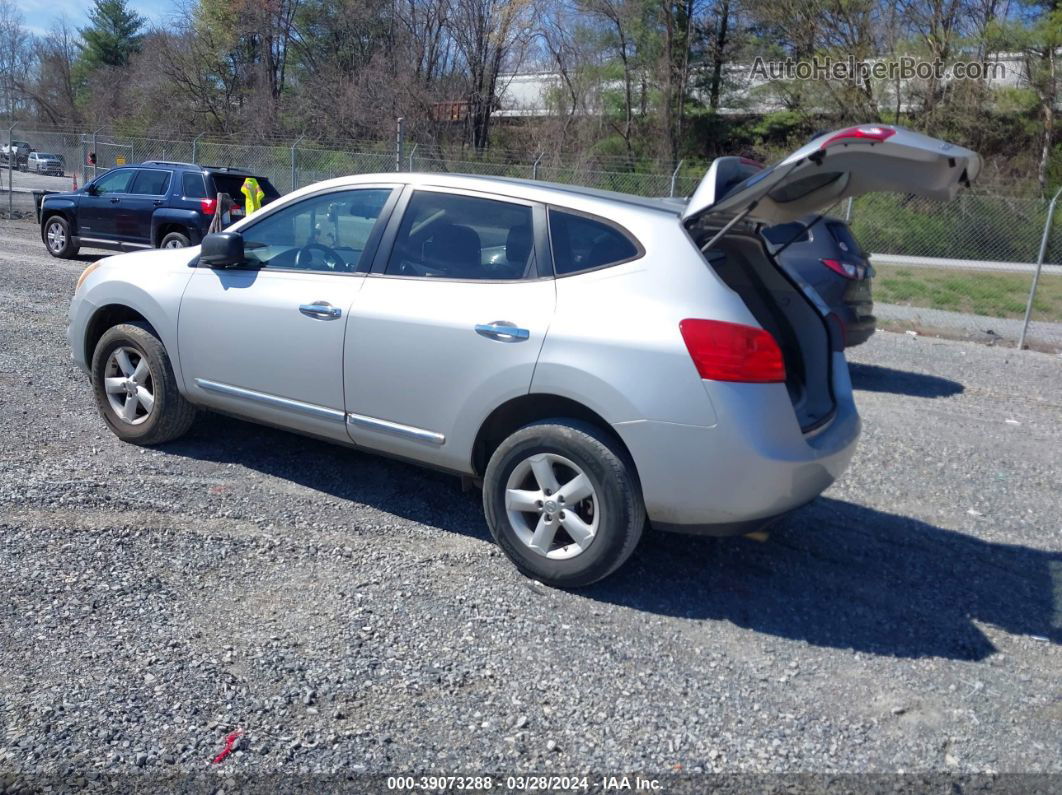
(451, 236)
(582, 243)
(845, 239)
(150, 182)
(192, 186)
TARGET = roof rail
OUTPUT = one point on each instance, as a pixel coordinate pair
(168, 163)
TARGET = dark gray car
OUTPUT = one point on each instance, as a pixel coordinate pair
(823, 252)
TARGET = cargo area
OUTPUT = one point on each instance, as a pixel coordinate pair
(787, 314)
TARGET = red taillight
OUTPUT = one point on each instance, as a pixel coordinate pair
(845, 269)
(208, 206)
(732, 352)
(871, 134)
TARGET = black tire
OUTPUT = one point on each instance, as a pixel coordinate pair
(618, 499)
(170, 415)
(61, 244)
(175, 240)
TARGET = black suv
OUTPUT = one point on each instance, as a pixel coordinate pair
(824, 253)
(155, 204)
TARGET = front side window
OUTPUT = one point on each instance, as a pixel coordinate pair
(323, 233)
(116, 181)
(582, 243)
(450, 236)
(150, 182)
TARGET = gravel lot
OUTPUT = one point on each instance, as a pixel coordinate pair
(349, 613)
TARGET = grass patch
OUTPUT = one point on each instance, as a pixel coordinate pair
(972, 292)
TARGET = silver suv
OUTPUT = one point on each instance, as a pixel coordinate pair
(593, 359)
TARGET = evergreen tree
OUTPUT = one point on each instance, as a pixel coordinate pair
(113, 36)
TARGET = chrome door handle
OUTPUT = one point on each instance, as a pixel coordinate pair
(503, 331)
(321, 310)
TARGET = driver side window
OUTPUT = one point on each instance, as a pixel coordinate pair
(324, 233)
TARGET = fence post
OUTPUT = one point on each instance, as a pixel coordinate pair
(10, 172)
(195, 147)
(1039, 267)
(848, 211)
(398, 143)
(294, 175)
(674, 176)
(412, 152)
(95, 154)
(534, 166)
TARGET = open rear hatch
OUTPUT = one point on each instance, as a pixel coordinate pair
(738, 197)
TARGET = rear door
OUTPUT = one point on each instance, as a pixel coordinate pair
(449, 324)
(833, 167)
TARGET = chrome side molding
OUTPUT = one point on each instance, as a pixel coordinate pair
(310, 409)
(396, 429)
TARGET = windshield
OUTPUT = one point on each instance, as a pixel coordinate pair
(47, 156)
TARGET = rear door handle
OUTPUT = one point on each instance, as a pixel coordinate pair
(157, 202)
(503, 331)
(321, 310)
(114, 201)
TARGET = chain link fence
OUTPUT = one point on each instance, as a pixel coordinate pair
(965, 268)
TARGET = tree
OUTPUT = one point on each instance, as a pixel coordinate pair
(114, 35)
(15, 56)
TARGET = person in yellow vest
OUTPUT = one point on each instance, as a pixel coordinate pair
(253, 195)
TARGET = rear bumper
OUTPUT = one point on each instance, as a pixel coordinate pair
(751, 466)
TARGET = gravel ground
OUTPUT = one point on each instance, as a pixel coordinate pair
(349, 613)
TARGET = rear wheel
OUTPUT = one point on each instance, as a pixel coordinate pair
(563, 502)
(135, 387)
(175, 240)
(58, 239)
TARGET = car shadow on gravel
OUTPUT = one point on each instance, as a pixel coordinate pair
(841, 575)
(411, 492)
(873, 378)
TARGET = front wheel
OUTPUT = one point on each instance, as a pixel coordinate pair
(58, 239)
(135, 387)
(563, 502)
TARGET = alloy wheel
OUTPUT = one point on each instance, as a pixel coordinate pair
(127, 382)
(56, 237)
(552, 506)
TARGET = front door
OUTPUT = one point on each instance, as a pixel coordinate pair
(266, 340)
(100, 204)
(448, 325)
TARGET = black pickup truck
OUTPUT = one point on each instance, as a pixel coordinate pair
(155, 204)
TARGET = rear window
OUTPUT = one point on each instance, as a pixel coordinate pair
(193, 186)
(150, 182)
(782, 234)
(845, 239)
(231, 184)
(582, 243)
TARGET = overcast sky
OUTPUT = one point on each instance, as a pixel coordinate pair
(42, 14)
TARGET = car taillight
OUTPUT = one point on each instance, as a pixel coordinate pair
(846, 269)
(732, 352)
(208, 206)
(874, 134)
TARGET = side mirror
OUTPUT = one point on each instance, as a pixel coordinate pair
(90, 189)
(222, 249)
